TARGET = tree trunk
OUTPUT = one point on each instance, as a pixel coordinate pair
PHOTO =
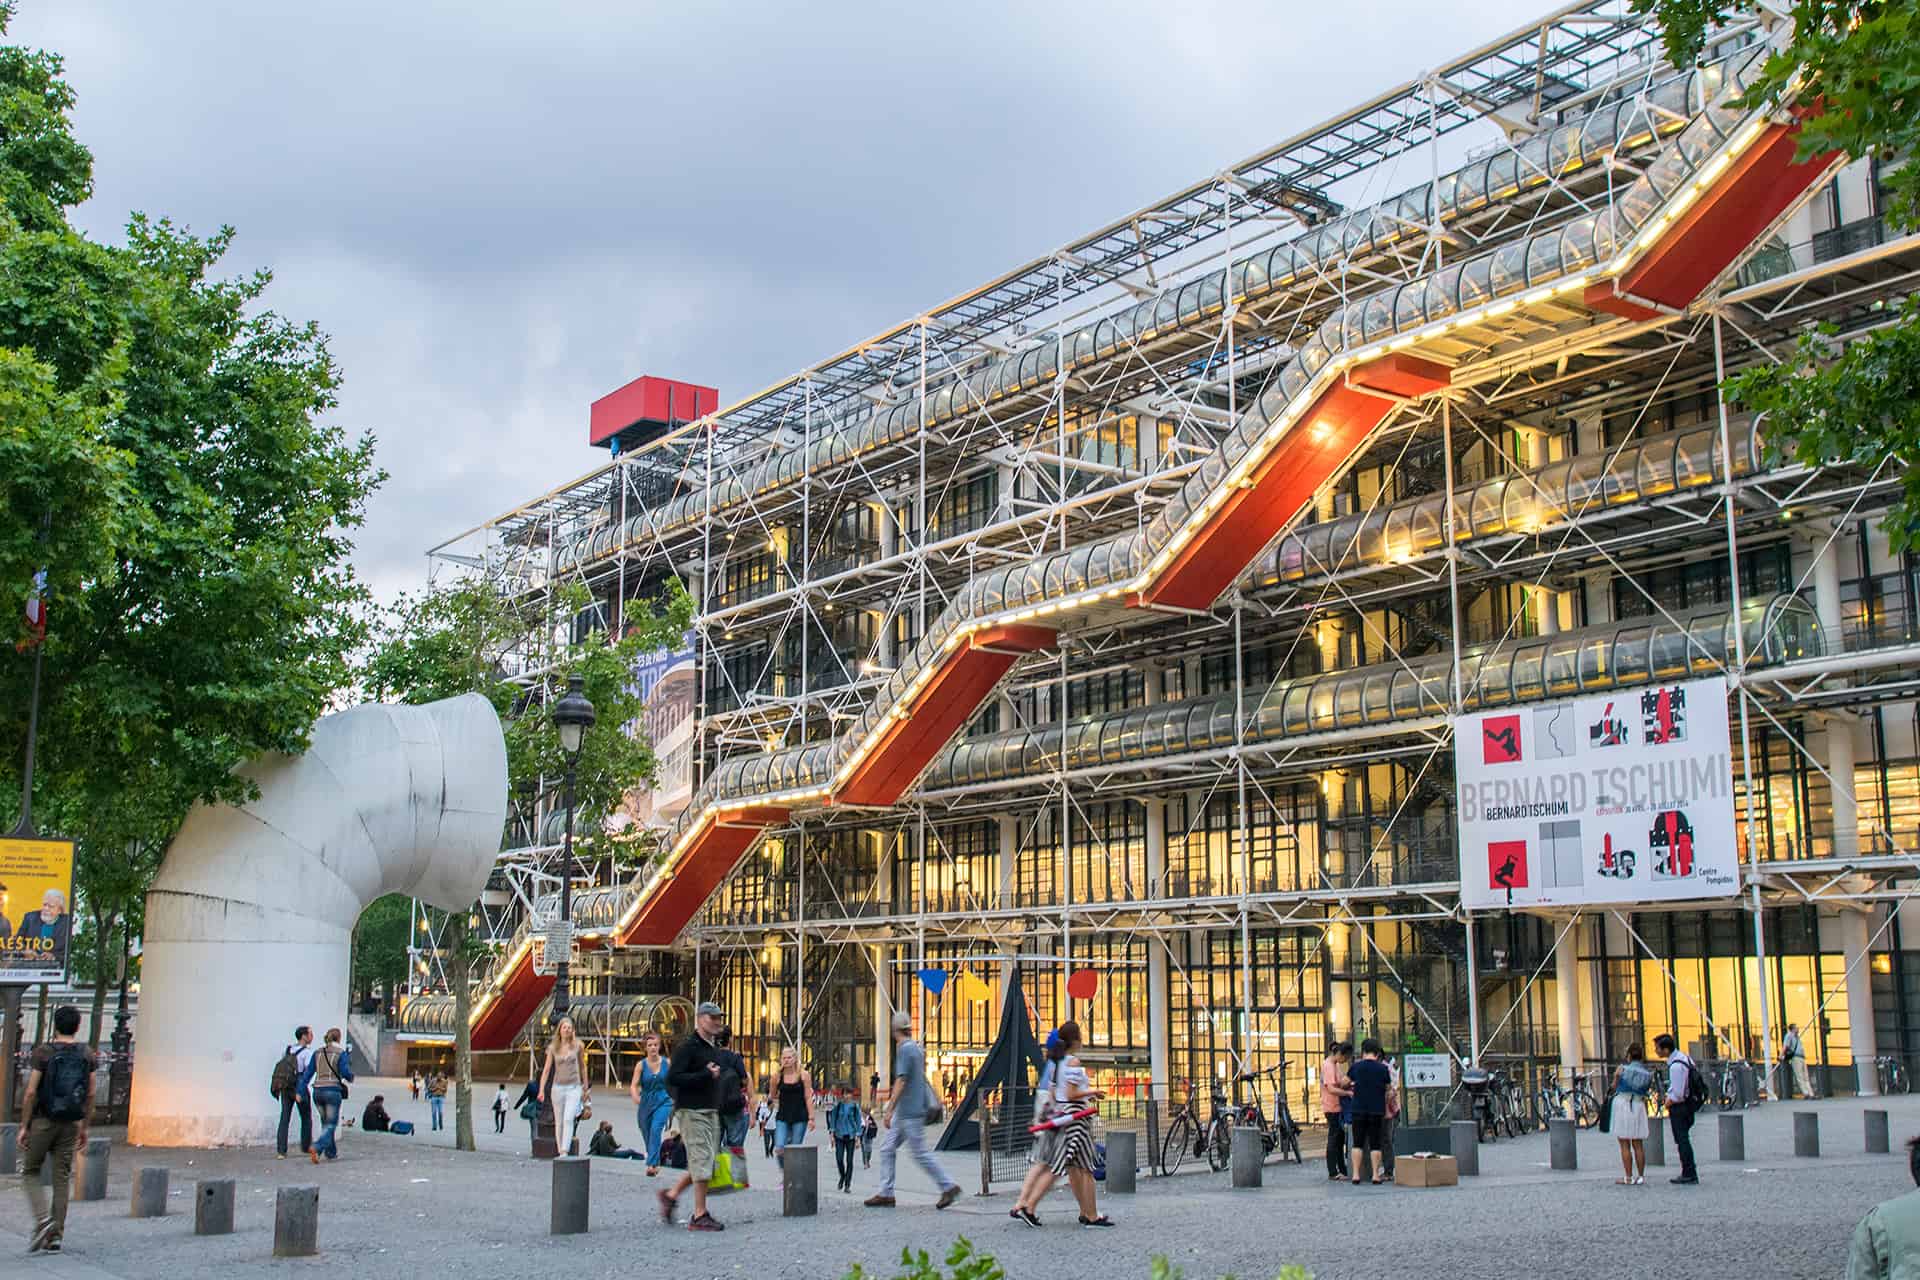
(462, 1032)
(101, 930)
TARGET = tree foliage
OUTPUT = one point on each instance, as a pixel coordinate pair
(1851, 72)
(168, 463)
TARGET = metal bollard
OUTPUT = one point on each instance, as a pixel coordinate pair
(213, 1207)
(800, 1184)
(296, 1222)
(1249, 1155)
(1123, 1158)
(1733, 1137)
(1806, 1134)
(572, 1189)
(1877, 1144)
(90, 1170)
(150, 1192)
(1465, 1139)
(1656, 1144)
(1562, 1152)
(9, 1147)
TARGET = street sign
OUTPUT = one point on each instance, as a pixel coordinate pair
(36, 905)
(1427, 1071)
(559, 936)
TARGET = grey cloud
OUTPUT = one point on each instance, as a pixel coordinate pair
(500, 212)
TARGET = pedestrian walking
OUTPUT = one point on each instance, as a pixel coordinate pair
(563, 1083)
(329, 1072)
(287, 1074)
(1886, 1244)
(528, 1103)
(437, 1099)
(1065, 1147)
(731, 1097)
(763, 1120)
(694, 1074)
(909, 1104)
(790, 1094)
(650, 1098)
(845, 1122)
(1334, 1092)
(1371, 1083)
(1632, 1081)
(500, 1108)
(1793, 1061)
(416, 1084)
(58, 1102)
(869, 1130)
(1685, 1092)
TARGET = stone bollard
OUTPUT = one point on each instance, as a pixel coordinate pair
(1877, 1144)
(9, 1147)
(1466, 1146)
(1123, 1159)
(1656, 1143)
(90, 1169)
(800, 1183)
(1562, 1152)
(150, 1192)
(1249, 1156)
(572, 1187)
(1806, 1134)
(296, 1222)
(213, 1207)
(1733, 1137)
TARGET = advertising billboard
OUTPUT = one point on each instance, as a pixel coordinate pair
(36, 910)
(1622, 798)
(670, 685)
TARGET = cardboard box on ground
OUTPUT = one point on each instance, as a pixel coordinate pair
(1427, 1171)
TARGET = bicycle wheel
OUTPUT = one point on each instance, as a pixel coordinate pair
(1219, 1145)
(1512, 1119)
(1897, 1078)
(1586, 1111)
(1178, 1142)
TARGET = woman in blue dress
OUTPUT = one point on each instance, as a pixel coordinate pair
(649, 1093)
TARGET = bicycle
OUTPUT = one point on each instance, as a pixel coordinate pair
(1892, 1074)
(1556, 1099)
(1189, 1135)
(1281, 1131)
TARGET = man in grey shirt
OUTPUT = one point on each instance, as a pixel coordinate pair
(906, 1118)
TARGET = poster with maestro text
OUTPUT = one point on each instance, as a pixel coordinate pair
(1624, 797)
(36, 906)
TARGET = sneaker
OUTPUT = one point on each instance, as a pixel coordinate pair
(1102, 1221)
(51, 1246)
(706, 1222)
(948, 1196)
(667, 1205)
(42, 1233)
(281, 1156)
(1685, 1181)
(879, 1202)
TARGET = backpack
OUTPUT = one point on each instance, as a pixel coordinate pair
(63, 1086)
(730, 1092)
(1635, 1079)
(286, 1074)
(1696, 1086)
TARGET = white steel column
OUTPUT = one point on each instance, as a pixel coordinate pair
(1566, 973)
(882, 958)
(1856, 930)
(1159, 997)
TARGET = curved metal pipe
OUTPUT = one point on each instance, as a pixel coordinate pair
(250, 921)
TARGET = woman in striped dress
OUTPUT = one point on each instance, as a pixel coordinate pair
(1068, 1149)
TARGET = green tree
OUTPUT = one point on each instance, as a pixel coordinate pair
(454, 639)
(1852, 74)
(380, 941)
(169, 464)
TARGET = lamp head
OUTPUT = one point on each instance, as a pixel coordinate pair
(573, 715)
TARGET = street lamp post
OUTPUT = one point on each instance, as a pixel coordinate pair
(573, 715)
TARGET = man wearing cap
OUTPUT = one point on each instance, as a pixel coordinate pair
(906, 1120)
(694, 1076)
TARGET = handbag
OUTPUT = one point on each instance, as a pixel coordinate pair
(529, 1109)
(1606, 1113)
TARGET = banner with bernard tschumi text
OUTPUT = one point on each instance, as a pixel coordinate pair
(1623, 798)
(36, 910)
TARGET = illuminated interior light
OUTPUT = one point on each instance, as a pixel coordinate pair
(1499, 309)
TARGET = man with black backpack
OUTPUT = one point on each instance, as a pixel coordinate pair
(59, 1100)
(288, 1073)
(1686, 1094)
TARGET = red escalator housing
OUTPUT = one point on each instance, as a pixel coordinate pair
(500, 1021)
(942, 707)
(717, 847)
(1307, 456)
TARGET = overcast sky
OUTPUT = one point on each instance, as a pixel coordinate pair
(501, 211)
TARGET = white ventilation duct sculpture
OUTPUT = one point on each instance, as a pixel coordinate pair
(250, 919)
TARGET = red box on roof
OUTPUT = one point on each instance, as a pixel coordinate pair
(645, 407)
